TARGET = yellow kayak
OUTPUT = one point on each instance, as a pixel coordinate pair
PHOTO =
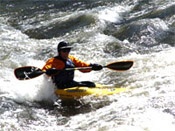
(78, 92)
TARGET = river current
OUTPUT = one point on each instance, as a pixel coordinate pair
(101, 31)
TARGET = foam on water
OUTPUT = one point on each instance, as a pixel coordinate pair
(113, 14)
(148, 105)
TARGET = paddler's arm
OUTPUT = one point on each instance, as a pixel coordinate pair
(79, 63)
(53, 66)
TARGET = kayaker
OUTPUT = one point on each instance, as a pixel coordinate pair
(65, 78)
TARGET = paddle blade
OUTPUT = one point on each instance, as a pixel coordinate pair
(27, 72)
(121, 65)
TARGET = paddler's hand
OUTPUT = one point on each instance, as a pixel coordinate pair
(96, 67)
(51, 71)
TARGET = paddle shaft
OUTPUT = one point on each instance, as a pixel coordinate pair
(118, 66)
(28, 72)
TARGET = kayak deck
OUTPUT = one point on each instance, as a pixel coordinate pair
(78, 92)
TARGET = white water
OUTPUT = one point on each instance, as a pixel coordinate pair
(148, 106)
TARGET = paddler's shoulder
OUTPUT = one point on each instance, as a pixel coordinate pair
(71, 57)
(53, 59)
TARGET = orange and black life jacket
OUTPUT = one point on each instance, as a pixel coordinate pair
(65, 77)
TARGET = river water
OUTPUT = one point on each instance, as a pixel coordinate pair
(101, 31)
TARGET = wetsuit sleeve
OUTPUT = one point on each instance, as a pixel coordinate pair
(53, 63)
(79, 63)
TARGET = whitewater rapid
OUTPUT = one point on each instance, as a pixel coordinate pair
(101, 32)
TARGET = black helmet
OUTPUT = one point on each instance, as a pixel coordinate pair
(63, 45)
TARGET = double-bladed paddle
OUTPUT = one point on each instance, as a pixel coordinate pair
(29, 72)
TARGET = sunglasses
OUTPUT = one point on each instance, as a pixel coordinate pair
(65, 50)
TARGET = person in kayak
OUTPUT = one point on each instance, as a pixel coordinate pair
(55, 67)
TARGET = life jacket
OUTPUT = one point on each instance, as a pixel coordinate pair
(64, 77)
